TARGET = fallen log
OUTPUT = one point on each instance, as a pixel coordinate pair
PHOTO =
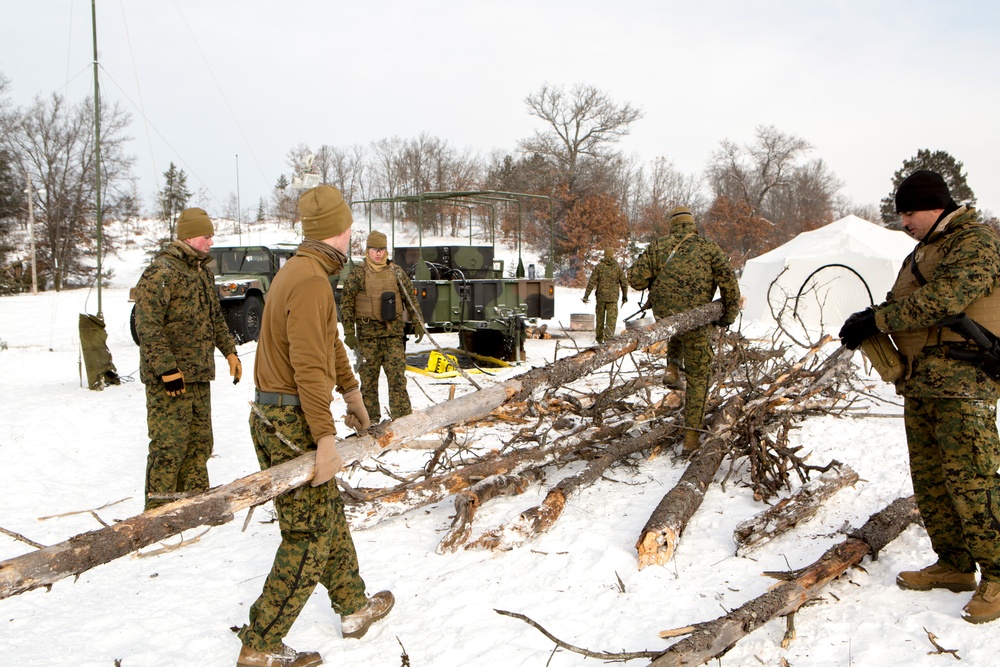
(659, 537)
(662, 531)
(399, 500)
(789, 512)
(216, 506)
(469, 500)
(537, 520)
(712, 639)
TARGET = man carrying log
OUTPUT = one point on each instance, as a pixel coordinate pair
(300, 359)
(950, 396)
(682, 271)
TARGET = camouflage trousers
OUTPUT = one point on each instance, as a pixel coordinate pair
(376, 354)
(693, 352)
(316, 543)
(954, 455)
(607, 319)
(180, 440)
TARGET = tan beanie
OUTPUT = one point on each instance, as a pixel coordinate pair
(194, 222)
(680, 214)
(376, 240)
(324, 212)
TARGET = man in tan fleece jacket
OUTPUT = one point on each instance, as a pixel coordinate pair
(300, 360)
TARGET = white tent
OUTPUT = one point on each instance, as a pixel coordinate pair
(817, 279)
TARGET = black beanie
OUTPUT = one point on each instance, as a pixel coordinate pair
(923, 190)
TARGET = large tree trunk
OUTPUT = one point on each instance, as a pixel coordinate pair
(713, 638)
(662, 531)
(660, 535)
(217, 506)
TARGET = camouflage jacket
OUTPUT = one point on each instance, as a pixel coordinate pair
(683, 271)
(372, 328)
(968, 270)
(606, 280)
(178, 317)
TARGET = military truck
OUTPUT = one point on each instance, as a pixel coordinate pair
(464, 288)
(243, 275)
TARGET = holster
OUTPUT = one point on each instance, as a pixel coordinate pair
(884, 357)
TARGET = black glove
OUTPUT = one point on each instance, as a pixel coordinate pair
(173, 382)
(858, 328)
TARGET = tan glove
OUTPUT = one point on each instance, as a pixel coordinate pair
(357, 415)
(235, 367)
(328, 460)
(173, 382)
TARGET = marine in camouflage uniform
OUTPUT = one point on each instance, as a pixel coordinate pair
(683, 271)
(606, 281)
(179, 322)
(300, 361)
(949, 404)
(379, 342)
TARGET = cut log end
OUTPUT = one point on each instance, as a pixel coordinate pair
(656, 547)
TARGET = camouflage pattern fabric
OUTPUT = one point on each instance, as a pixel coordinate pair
(178, 317)
(693, 352)
(683, 271)
(180, 440)
(380, 344)
(969, 269)
(954, 456)
(180, 323)
(607, 319)
(949, 407)
(607, 280)
(691, 276)
(354, 285)
(316, 543)
(376, 354)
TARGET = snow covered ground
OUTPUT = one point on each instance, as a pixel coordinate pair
(65, 449)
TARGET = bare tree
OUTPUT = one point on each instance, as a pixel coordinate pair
(54, 141)
(582, 128)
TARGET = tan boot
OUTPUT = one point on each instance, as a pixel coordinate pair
(985, 604)
(279, 657)
(937, 576)
(672, 376)
(691, 441)
(354, 626)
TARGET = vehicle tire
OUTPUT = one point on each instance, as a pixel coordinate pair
(131, 326)
(248, 325)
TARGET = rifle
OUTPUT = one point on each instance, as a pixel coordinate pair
(987, 357)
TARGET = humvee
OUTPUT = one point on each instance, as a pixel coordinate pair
(243, 275)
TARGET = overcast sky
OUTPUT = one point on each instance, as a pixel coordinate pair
(867, 83)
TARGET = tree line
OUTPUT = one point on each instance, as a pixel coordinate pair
(589, 195)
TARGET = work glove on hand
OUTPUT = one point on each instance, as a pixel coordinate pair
(235, 367)
(357, 415)
(624, 300)
(350, 340)
(858, 328)
(173, 382)
(418, 329)
(328, 460)
(586, 299)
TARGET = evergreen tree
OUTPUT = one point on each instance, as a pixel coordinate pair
(940, 161)
(173, 198)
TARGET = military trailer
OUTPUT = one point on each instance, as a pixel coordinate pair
(464, 288)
